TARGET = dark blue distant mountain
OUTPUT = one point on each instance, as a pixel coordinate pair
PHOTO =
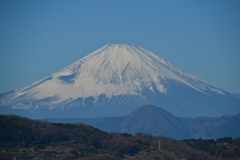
(155, 120)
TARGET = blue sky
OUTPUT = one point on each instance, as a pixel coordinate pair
(40, 37)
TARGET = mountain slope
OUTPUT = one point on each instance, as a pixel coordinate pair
(156, 121)
(115, 80)
(230, 128)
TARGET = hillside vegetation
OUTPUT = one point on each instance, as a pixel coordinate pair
(23, 138)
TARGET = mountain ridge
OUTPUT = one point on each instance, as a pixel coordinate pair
(157, 121)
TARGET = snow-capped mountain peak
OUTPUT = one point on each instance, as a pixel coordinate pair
(111, 71)
(114, 69)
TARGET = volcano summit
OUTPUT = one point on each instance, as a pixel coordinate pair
(115, 80)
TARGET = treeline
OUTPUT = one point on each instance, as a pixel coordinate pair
(225, 148)
(23, 138)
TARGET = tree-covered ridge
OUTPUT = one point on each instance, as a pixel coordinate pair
(23, 138)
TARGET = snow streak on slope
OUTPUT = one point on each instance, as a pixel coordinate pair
(113, 70)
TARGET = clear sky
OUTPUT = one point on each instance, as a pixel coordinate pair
(40, 37)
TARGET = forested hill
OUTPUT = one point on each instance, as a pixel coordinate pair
(23, 138)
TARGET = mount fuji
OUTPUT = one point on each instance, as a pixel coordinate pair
(114, 81)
